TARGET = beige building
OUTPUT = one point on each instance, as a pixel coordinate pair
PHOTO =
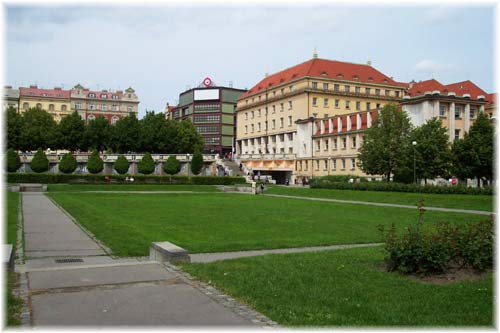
(55, 101)
(308, 120)
(10, 98)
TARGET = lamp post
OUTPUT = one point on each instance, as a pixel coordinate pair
(414, 143)
(329, 162)
(188, 163)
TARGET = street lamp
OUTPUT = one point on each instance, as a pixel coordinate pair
(188, 163)
(414, 143)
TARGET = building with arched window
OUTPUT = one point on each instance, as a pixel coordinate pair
(54, 101)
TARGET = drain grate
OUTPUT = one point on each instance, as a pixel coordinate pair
(68, 260)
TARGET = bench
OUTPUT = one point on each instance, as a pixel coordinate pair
(166, 251)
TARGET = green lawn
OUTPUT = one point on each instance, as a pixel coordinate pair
(346, 288)
(12, 208)
(128, 223)
(14, 304)
(129, 187)
(460, 201)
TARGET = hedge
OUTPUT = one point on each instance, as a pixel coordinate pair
(54, 178)
(399, 187)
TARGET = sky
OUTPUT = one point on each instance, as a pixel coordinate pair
(163, 49)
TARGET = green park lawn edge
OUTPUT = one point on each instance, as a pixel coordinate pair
(129, 187)
(347, 288)
(218, 222)
(459, 201)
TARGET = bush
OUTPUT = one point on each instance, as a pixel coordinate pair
(197, 162)
(67, 163)
(13, 161)
(39, 163)
(146, 166)
(172, 166)
(438, 248)
(95, 164)
(121, 165)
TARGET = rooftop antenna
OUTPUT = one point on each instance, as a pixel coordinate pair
(315, 54)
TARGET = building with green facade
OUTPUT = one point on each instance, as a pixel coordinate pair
(212, 110)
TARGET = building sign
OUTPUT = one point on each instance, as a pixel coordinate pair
(206, 94)
(207, 82)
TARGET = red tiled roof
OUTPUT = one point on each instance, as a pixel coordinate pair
(466, 87)
(47, 93)
(492, 100)
(109, 94)
(420, 88)
(323, 68)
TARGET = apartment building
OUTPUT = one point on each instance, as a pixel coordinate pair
(55, 101)
(10, 98)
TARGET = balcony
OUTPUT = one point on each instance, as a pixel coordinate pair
(268, 157)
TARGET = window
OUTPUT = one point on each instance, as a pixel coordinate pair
(353, 140)
(353, 163)
(282, 91)
(367, 90)
(274, 108)
(326, 164)
(457, 134)
(246, 129)
(397, 93)
(290, 136)
(92, 95)
(246, 115)
(104, 107)
(387, 92)
(258, 127)
(45, 94)
(274, 93)
(289, 104)
(357, 90)
(315, 101)
(336, 87)
(472, 112)
(252, 115)
(347, 89)
(317, 164)
(51, 107)
(114, 97)
(260, 97)
(326, 144)
(39, 106)
(281, 122)
(325, 102)
(63, 107)
(289, 120)
(265, 125)
(368, 105)
(325, 86)
(317, 145)
(114, 120)
(442, 110)
(335, 144)
(129, 108)
(274, 123)
(347, 104)
(358, 105)
(25, 106)
(343, 164)
(344, 143)
(251, 128)
(337, 102)
(211, 118)
(258, 113)
(282, 107)
(315, 85)
(458, 112)
(90, 117)
(377, 105)
(208, 129)
(78, 105)
(377, 92)
(104, 96)
(334, 164)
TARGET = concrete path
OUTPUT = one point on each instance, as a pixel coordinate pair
(210, 257)
(99, 290)
(380, 204)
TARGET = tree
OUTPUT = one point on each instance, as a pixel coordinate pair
(432, 151)
(14, 128)
(172, 166)
(171, 137)
(146, 165)
(67, 164)
(13, 160)
(121, 165)
(95, 163)
(197, 162)
(385, 148)
(40, 162)
(70, 132)
(38, 130)
(97, 133)
(125, 135)
(189, 140)
(153, 133)
(473, 156)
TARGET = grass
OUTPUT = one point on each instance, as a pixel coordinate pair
(12, 210)
(460, 201)
(128, 223)
(129, 187)
(346, 288)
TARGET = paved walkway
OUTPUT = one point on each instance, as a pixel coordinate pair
(100, 290)
(380, 204)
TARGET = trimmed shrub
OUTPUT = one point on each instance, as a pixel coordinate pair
(13, 161)
(146, 166)
(121, 165)
(40, 162)
(67, 163)
(172, 165)
(95, 164)
(197, 162)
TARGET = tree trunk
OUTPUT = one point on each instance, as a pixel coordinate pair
(389, 177)
(478, 181)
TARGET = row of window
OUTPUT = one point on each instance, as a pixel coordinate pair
(212, 118)
(265, 140)
(344, 142)
(272, 150)
(212, 140)
(26, 106)
(206, 107)
(113, 120)
(304, 165)
(102, 107)
(104, 96)
(273, 125)
(273, 108)
(347, 104)
(443, 109)
(207, 129)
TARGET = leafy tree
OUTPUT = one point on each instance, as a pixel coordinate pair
(95, 163)
(40, 162)
(13, 160)
(121, 165)
(97, 133)
(70, 131)
(38, 130)
(171, 137)
(386, 144)
(189, 140)
(197, 162)
(67, 164)
(172, 166)
(473, 156)
(432, 151)
(125, 135)
(146, 166)
(153, 133)
(14, 128)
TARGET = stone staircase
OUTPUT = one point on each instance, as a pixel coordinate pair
(233, 167)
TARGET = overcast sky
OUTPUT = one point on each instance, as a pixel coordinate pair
(161, 51)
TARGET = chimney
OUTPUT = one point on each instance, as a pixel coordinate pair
(33, 86)
(315, 54)
(369, 62)
(57, 88)
(266, 74)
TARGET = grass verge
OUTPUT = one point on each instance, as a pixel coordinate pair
(128, 223)
(346, 288)
(129, 187)
(459, 201)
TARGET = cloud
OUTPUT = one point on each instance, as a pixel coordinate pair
(428, 65)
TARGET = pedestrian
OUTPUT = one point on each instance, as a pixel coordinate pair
(241, 166)
(266, 180)
(261, 188)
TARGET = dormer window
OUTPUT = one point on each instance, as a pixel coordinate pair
(92, 95)
(114, 97)
(31, 93)
(282, 80)
(45, 94)
(356, 77)
(104, 96)
(340, 76)
(385, 81)
(370, 78)
(323, 73)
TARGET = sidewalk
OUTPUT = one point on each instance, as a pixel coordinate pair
(96, 289)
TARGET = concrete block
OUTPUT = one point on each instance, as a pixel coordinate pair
(33, 187)
(8, 256)
(166, 251)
